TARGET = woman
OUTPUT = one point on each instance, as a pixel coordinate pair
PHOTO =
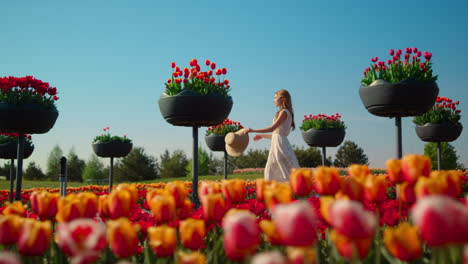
(281, 158)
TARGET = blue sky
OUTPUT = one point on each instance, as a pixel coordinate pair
(109, 61)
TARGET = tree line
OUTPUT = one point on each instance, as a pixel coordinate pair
(141, 166)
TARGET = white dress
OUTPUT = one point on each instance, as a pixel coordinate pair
(281, 158)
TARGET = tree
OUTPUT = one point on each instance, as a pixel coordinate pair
(350, 153)
(309, 157)
(137, 166)
(33, 172)
(94, 169)
(252, 159)
(449, 156)
(173, 165)
(53, 163)
(203, 163)
(5, 170)
(75, 167)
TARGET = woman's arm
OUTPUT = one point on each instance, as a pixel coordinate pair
(258, 137)
(276, 124)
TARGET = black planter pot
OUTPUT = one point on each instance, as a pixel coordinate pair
(215, 142)
(408, 97)
(331, 137)
(114, 149)
(190, 109)
(10, 150)
(27, 118)
(444, 132)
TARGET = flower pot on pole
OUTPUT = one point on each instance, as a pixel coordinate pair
(27, 106)
(196, 98)
(399, 88)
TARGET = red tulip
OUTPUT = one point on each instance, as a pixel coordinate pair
(392, 52)
(405, 193)
(296, 223)
(10, 228)
(241, 234)
(192, 233)
(350, 248)
(173, 64)
(408, 50)
(213, 65)
(218, 72)
(207, 62)
(301, 181)
(350, 219)
(327, 180)
(375, 59)
(122, 237)
(44, 203)
(34, 238)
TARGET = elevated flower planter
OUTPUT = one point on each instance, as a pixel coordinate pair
(112, 149)
(215, 142)
(27, 118)
(331, 137)
(10, 150)
(444, 132)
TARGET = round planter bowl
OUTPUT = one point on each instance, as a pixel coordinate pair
(215, 142)
(331, 137)
(27, 118)
(10, 150)
(408, 97)
(190, 109)
(115, 149)
(444, 132)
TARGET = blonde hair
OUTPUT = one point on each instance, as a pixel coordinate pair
(286, 104)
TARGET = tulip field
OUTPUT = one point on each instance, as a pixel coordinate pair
(410, 214)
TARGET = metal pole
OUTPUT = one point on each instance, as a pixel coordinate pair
(439, 156)
(111, 173)
(225, 165)
(19, 168)
(324, 156)
(63, 176)
(399, 148)
(195, 167)
(12, 179)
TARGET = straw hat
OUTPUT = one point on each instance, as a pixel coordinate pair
(236, 142)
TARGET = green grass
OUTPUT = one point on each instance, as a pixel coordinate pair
(5, 184)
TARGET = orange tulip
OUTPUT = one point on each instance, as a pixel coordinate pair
(178, 191)
(185, 211)
(452, 179)
(405, 193)
(375, 188)
(192, 233)
(277, 193)
(234, 190)
(190, 258)
(358, 171)
(394, 172)
(327, 180)
(415, 166)
(214, 207)
(301, 181)
(301, 255)
(90, 204)
(352, 188)
(269, 228)
(153, 192)
(403, 242)
(10, 227)
(163, 208)
(122, 237)
(430, 186)
(261, 185)
(131, 188)
(15, 208)
(103, 208)
(207, 187)
(69, 208)
(120, 202)
(34, 238)
(351, 248)
(325, 204)
(162, 240)
(241, 234)
(44, 204)
(296, 223)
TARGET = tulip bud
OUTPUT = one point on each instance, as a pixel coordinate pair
(375, 188)
(234, 190)
(162, 240)
(190, 258)
(358, 171)
(327, 180)
(131, 188)
(415, 166)
(350, 219)
(394, 172)
(301, 181)
(192, 233)
(403, 242)
(241, 235)
(10, 227)
(163, 208)
(271, 257)
(178, 191)
(44, 204)
(351, 248)
(213, 207)
(301, 255)
(34, 238)
(296, 223)
(120, 203)
(351, 188)
(69, 208)
(122, 237)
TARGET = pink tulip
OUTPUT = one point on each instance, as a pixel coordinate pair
(272, 257)
(398, 52)
(408, 50)
(392, 52)
(241, 234)
(296, 223)
(415, 50)
(441, 220)
(418, 54)
(421, 65)
(375, 59)
(350, 219)
(427, 55)
(82, 239)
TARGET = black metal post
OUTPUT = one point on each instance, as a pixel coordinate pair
(225, 165)
(63, 176)
(195, 167)
(19, 168)
(324, 156)
(12, 179)
(399, 148)
(111, 173)
(439, 156)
